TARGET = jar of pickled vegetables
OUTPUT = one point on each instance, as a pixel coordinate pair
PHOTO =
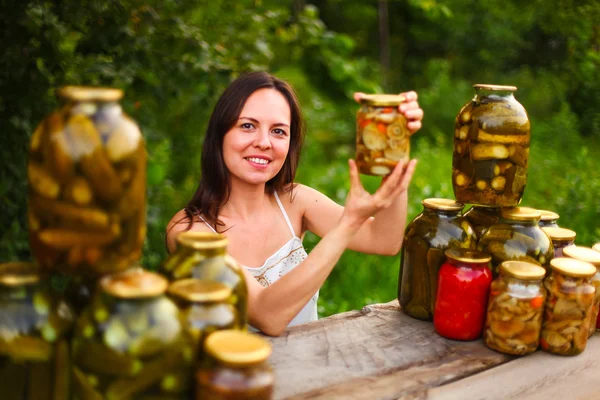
(438, 228)
(568, 307)
(561, 238)
(517, 236)
(548, 219)
(34, 328)
(514, 314)
(131, 342)
(239, 368)
(382, 138)
(596, 247)
(87, 185)
(462, 294)
(203, 255)
(481, 218)
(593, 257)
(491, 148)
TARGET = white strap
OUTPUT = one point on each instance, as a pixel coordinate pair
(203, 220)
(285, 215)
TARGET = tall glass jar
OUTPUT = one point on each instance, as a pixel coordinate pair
(382, 138)
(549, 219)
(568, 307)
(239, 368)
(203, 255)
(561, 238)
(34, 328)
(87, 185)
(491, 148)
(514, 314)
(131, 342)
(438, 228)
(463, 289)
(517, 236)
(481, 218)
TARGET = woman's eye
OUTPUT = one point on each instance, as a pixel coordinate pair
(279, 131)
(247, 125)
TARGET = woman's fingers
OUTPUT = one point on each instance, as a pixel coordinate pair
(358, 95)
(414, 114)
(390, 182)
(409, 170)
(413, 126)
(354, 178)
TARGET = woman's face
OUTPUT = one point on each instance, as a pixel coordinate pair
(257, 146)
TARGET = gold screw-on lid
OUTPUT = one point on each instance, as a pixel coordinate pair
(200, 291)
(134, 284)
(468, 255)
(547, 215)
(559, 233)
(583, 253)
(596, 247)
(520, 214)
(442, 204)
(383, 99)
(239, 348)
(573, 267)
(522, 270)
(89, 93)
(202, 240)
(18, 273)
(485, 86)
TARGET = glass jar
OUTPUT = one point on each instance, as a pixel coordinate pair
(87, 185)
(568, 307)
(203, 255)
(589, 255)
(481, 218)
(34, 328)
(239, 368)
(596, 247)
(130, 342)
(549, 219)
(514, 315)
(491, 148)
(561, 238)
(205, 308)
(438, 228)
(382, 138)
(517, 237)
(463, 289)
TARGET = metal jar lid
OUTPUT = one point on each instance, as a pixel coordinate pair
(134, 284)
(202, 240)
(19, 273)
(89, 93)
(200, 291)
(501, 88)
(547, 215)
(237, 348)
(573, 267)
(468, 255)
(442, 204)
(382, 100)
(560, 234)
(582, 253)
(520, 214)
(522, 270)
(596, 247)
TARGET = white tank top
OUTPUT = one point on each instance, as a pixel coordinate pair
(284, 260)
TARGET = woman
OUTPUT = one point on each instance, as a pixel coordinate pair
(247, 192)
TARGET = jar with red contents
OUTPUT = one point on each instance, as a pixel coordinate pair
(462, 294)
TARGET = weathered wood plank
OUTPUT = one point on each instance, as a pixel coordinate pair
(377, 352)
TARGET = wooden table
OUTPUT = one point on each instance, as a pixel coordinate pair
(380, 353)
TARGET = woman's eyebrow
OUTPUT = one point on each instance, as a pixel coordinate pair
(256, 121)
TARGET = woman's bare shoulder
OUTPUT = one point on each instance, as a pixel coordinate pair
(181, 223)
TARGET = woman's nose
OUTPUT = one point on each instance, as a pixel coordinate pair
(262, 139)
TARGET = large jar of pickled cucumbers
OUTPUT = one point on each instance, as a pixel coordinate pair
(131, 342)
(481, 218)
(568, 308)
(515, 309)
(382, 138)
(491, 148)
(517, 236)
(34, 328)
(439, 227)
(203, 255)
(87, 183)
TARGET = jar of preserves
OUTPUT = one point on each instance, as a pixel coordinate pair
(382, 138)
(34, 327)
(130, 342)
(481, 218)
(238, 370)
(514, 315)
(438, 228)
(596, 247)
(203, 255)
(205, 308)
(561, 238)
(87, 185)
(517, 236)
(462, 296)
(593, 257)
(548, 219)
(491, 148)
(568, 307)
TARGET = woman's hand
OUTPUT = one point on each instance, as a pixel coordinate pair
(410, 109)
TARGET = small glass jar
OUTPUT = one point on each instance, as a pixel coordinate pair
(382, 138)
(438, 228)
(593, 257)
(514, 314)
(561, 238)
(565, 327)
(131, 342)
(239, 368)
(517, 237)
(596, 247)
(205, 308)
(463, 289)
(34, 327)
(481, 218)
(203, 256)
(548, 219)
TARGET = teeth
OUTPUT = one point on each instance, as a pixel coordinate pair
(258, 160)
